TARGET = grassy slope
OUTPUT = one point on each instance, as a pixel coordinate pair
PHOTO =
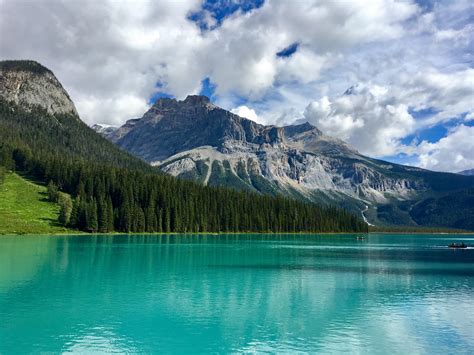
(24, 208)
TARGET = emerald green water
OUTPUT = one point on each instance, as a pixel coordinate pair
(249, 293)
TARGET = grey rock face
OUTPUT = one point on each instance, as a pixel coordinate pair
(171, 126)
(28, 83)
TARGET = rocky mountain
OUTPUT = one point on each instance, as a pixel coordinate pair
(37, 114)
(194, 139)
(43, 138)
(28, 84)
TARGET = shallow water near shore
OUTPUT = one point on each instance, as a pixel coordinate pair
(386, 293)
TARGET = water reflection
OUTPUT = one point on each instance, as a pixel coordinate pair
(150, 293)
(21, 258)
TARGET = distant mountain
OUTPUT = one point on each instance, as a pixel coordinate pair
(194, 139)
(469, 172)
(104, 129)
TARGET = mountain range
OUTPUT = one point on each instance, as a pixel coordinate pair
(196, 140)
(193, 139)
(105, 189)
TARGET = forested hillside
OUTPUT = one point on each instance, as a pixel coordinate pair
(113, 191)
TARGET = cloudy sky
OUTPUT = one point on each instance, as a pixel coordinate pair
(393, 78)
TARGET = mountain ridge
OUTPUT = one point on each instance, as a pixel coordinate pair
(196, 140)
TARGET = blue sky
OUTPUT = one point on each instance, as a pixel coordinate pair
(410, 64)
(220, 10)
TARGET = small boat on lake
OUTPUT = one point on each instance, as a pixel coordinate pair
(457, 246)
(360, 237)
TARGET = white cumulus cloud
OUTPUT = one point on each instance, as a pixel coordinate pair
(368, 118)
(402, 56)
(244, 111)
(105, 50)
(454, 153)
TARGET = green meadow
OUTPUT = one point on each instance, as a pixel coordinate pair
(24, 208)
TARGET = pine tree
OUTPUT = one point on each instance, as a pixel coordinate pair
(65, 209)
(110, 215)
(150, 220)
(6, 160)
(140, 219)
(103, 222)
(53, 192)
(74, 220)
(159, 220)
(91, 220)
(125, 217)
(167, 222)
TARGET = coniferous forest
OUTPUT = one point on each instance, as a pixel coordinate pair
(102, 189)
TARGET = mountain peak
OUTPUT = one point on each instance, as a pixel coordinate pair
(190, 100)
(164, 102)
(25, 66)
(300, 128)
(28, 83)
(350, 91)
(197, 100)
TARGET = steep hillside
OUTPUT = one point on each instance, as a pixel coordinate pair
(24, 208)
(35, 108)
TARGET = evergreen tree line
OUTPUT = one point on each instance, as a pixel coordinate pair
(113, 191)
(64, 201)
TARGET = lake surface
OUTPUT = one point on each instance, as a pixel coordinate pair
(231, 293)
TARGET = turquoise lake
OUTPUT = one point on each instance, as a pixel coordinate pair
(236, 293)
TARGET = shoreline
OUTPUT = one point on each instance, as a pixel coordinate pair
(79, 233)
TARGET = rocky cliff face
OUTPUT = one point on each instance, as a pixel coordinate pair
(28, 83)
(171, 127)
(197, 140)
(287, 167)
